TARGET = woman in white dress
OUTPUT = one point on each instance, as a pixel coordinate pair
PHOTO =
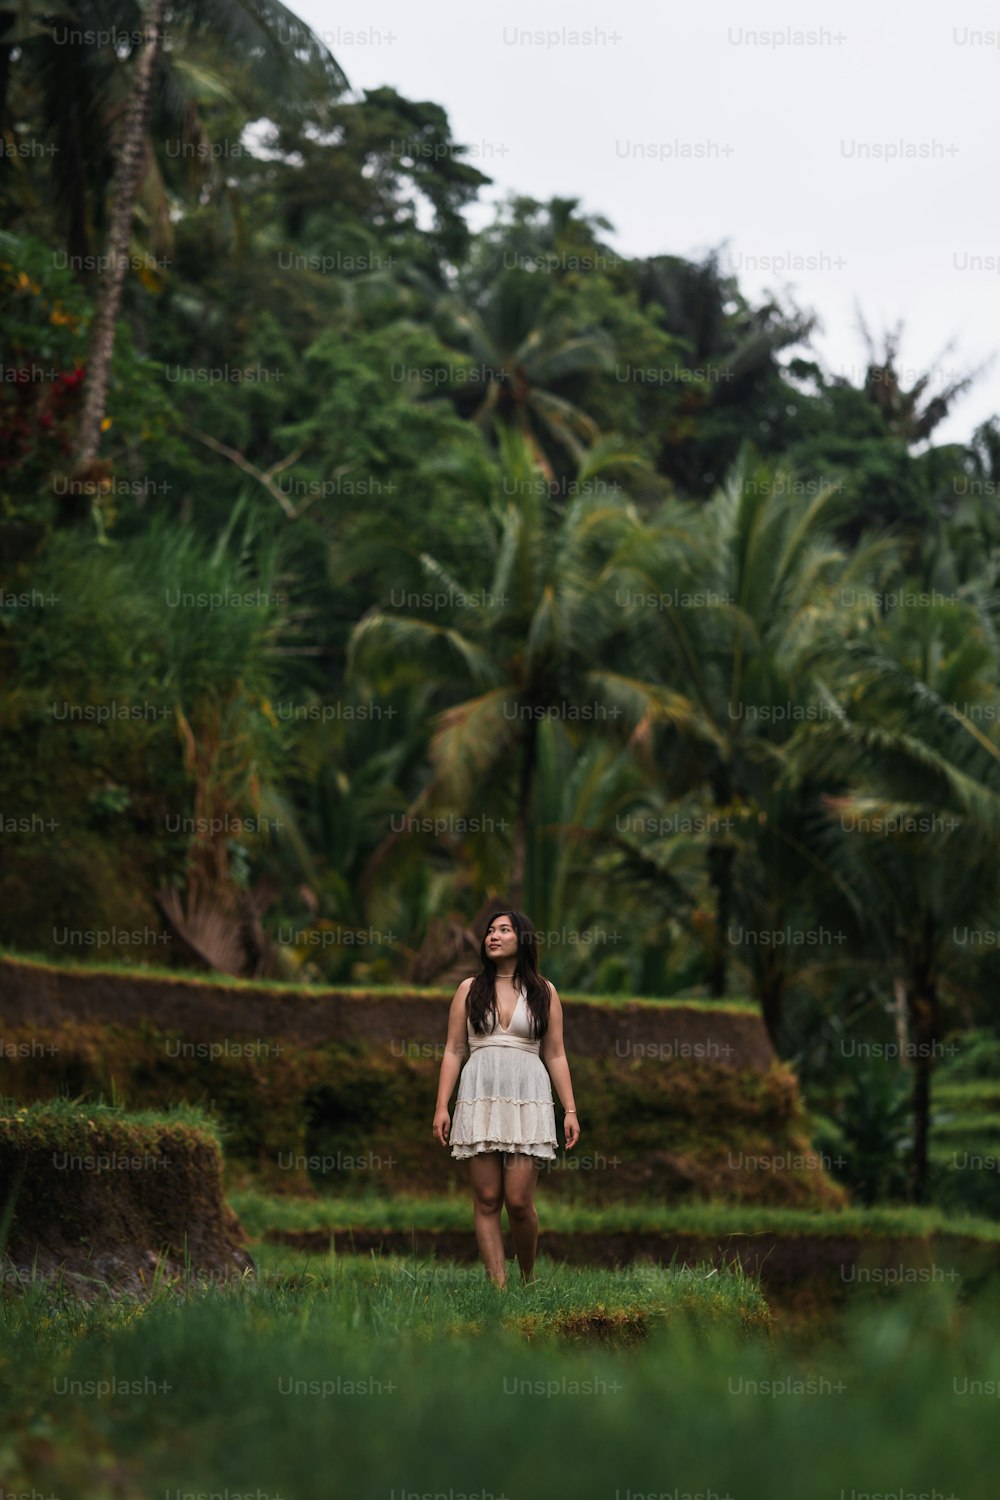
(507, 1021)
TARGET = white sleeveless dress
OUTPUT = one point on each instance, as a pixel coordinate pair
(504, 1099)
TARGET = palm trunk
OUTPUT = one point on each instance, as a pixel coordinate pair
(772, 999)
(924, 1031)
(125, 187)
(523, 815)
(902, 1021)
(720, 874)
(720, 861)
(6, 19)
(924, 1023)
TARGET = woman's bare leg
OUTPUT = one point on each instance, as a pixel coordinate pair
(519, 1178)
(486, 1177)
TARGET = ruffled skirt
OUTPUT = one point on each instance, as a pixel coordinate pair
(504, 1103)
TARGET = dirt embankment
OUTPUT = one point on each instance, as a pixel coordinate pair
(329, 1089)
(42, 996)
(104, 1205)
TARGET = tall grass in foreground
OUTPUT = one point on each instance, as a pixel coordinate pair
(383, 1378)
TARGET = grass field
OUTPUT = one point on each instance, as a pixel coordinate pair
(392, 1378)
(260, 1211)
(409, 1377)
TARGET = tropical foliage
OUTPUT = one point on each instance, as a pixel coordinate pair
(516, 569)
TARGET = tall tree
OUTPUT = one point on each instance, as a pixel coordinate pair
(738, 389)
(526, 637)
(726, 601)
(250, 27)
(915, 826)
(526, 353)
(131, 159)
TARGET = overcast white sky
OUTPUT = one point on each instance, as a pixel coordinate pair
(796, 142)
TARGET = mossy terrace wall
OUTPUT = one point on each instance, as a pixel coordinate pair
(97, 1199)
(337, 1087)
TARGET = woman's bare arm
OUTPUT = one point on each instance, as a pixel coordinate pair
(456, 1049)
(553, 1055)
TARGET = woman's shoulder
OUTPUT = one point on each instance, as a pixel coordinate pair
(463, 990)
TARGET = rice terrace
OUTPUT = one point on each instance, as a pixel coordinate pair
(166, 1333)
(499, 754)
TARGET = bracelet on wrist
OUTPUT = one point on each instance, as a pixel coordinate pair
(569, 1111)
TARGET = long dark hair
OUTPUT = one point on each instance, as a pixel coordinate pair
(483, 990)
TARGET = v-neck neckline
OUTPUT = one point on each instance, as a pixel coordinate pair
(506, 1029)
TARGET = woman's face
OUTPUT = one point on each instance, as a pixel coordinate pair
(501, 940)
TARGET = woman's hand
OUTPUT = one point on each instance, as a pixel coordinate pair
(442, 1125)
(571, 1125)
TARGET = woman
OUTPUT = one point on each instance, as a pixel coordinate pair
(508, 1019)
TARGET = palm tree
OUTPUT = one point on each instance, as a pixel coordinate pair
(68, 70)
(528, 357)
(123, 194)
(910, 413)
(348, 778)
(744, 391)
(247, 29)
(602, 912)
(915, 763)
(739, 592)
(531, 640)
